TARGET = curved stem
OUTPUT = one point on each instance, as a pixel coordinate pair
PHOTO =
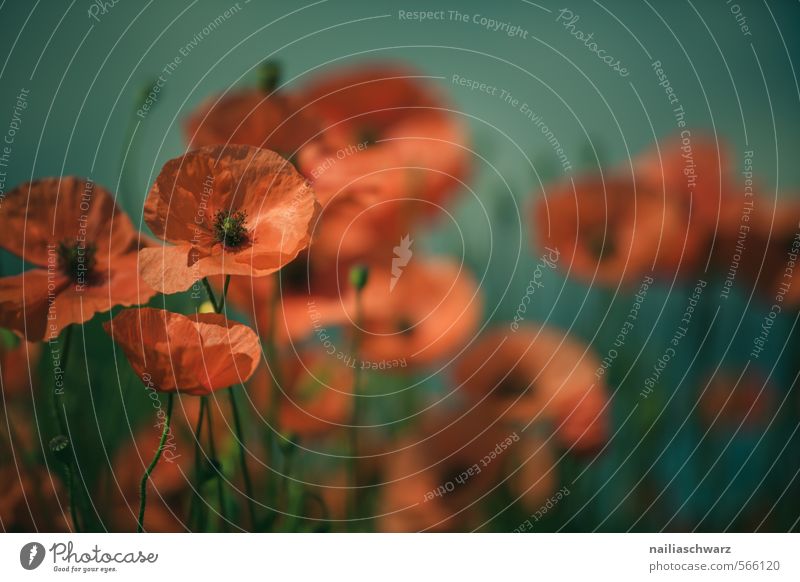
(248, 485)
(153, 463)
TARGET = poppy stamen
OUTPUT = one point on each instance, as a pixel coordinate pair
(76, 259)
(230, 229)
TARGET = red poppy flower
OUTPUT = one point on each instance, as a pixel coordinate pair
(251, 117)
(728, 403)
(422, 313)
(755, 244)
(389, 146)
(29, 501)
(438, 481)
(194, 355)
(84, 250)
(235, 210)
(537, 375)
(18, 367)
(658, 216)
(312, 294)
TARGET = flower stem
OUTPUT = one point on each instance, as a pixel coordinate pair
(248, 484)
(197, 500)
(273, 415)
(212, 447)
(153, 463)
(210, 293)
(355, 419)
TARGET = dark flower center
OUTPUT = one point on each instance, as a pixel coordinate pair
(230, 229)
(600, 245)
(405, 326)
(77, 260)
(511, 386)
(368, 136)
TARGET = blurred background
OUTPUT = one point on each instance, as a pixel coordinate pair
(713, 446)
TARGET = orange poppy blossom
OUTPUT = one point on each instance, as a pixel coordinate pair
(251, 117)
(658, 215)
(753, 247)
(728, 404)
(438, 479)
(538, 375)
(315, 397)
(422, 315)
(29, 501)
(84, 252)
(232, 210)
(312, 294)
(194, 355)
(386, 137)
(18, 367)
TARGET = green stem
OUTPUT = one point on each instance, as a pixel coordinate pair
(153, 463)
(73, 506)
(221, 305)
(210, 293)
(212, 447)
(273, 413)
(356, 413)
(248, 485)
(197, 500)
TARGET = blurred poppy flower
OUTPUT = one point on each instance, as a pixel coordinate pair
(312, 294)
(733, 404)
(253, 117)
(755, 245)
(234, 210)
(658, 214)
(18, 362)
(438, 480)
(315, 397)
(194, 355)
(389, 146)
(426, 312)
(83, 247)
(538, 374)
(29, 501)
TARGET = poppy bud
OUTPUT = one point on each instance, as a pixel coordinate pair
(60, 447)
(269, 76)
(359, 275)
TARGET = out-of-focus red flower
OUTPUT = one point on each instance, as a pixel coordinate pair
(438, 481)
(316, 395)
(311, 298)
(234, 210)
(657, 214)
(83, 247)
(538, 374)
(727, 403)
(251, 117)
(29, 501)
(193, 355)
(18, 367)
(418, 315)
(756, 245)
(390, 151)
